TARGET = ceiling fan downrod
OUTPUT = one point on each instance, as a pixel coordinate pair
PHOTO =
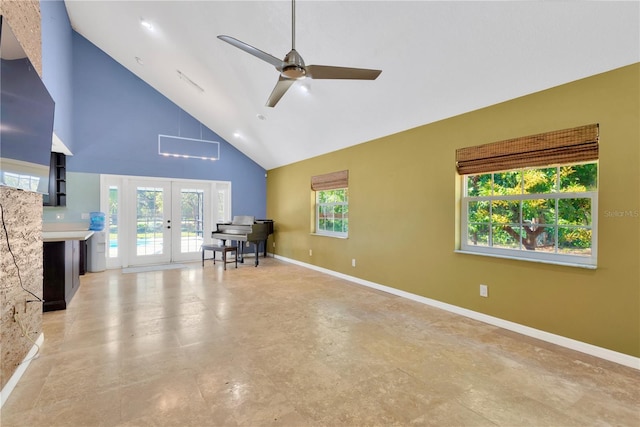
(294, 67)
(293, 24)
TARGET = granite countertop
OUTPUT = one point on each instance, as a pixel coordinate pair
(59, 236)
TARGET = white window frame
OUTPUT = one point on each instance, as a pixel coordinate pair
(521, 253)
(322, 232)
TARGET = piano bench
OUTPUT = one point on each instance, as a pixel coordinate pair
(224, 250)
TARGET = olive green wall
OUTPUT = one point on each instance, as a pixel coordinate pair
(404, 215)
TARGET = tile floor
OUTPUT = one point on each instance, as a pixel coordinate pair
(287, 346)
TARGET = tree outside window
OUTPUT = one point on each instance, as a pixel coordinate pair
(547, 210)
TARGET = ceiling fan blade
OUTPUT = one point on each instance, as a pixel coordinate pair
(253, 51)
(280, 89)
(329, 72)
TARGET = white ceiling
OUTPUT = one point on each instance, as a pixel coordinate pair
(438, 59)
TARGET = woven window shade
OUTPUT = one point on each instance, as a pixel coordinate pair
(573, 145)
(330, 181)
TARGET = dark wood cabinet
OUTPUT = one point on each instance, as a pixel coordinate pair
(83, 256)
(61, 262)
(57, 181)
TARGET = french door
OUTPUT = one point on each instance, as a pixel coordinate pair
(151, 227)
(192, 220)
(157, 221)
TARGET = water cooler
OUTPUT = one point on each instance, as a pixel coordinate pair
(97, 253)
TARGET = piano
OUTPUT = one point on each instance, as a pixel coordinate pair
(245, 228)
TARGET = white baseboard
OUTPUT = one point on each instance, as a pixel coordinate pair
(602, 353)
(22, 367)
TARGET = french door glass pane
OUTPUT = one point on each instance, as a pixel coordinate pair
(149, 221)
(192, 219)
(113, 222)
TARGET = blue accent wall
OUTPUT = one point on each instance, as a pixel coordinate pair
(56, 65)
(110, 119)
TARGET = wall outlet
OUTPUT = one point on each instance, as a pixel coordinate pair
(59, 216)
(484, 291)
(274, 244)
(353, 262)
(310, 252)
(84, 216)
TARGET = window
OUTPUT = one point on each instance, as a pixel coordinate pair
(542, 213)
(22, 181)
(331, 203)
(332, 212)
(532, 210)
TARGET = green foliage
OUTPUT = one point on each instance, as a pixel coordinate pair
(579, 178)
(507, 183)
(333, 196)
(333, 210)
(149, 212)
(113, 210)
(192, 208)
(507, 221)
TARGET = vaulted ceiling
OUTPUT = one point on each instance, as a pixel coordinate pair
(438, 59)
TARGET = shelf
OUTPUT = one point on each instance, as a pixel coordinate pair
(57, 181)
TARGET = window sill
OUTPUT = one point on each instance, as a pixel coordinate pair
(330, 235)
(540, 261)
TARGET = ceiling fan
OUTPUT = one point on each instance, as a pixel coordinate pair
(293, 68)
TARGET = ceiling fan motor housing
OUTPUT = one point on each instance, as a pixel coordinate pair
(293, 66)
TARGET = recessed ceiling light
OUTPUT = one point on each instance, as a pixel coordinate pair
(261, 117)
(146, 24)
(236, 134)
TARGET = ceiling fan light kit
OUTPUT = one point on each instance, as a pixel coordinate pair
(293, 68)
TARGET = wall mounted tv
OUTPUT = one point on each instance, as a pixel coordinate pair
(26, 119)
